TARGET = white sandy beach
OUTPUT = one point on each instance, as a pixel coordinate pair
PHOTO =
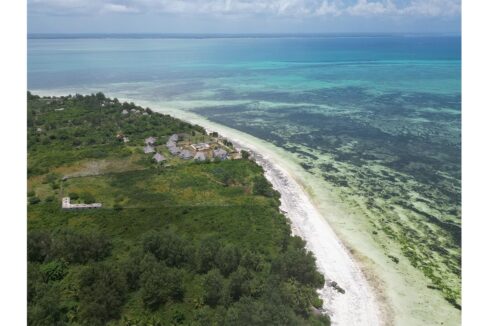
(358, 305)
(378, 291)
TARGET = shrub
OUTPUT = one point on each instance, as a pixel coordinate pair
(54, 270)
(34, 200)
(73, 195)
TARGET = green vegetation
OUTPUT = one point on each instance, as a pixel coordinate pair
(185, 243)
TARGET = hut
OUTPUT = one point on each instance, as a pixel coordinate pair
(220, 154)
(186, 154)
(159, 158)
(148, 149)
(150, 140)
(200, 156)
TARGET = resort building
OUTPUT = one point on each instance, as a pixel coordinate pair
(200, 146)
(186, 154)
(220, 154)
(200, 156)
(148, 149)
(150, 140)
(159, 158)
(66, 204)
(174, 150)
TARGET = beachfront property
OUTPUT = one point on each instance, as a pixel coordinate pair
(150, 140)
(173, 150)
(200, 146)
(148, 149)
(159, 158)
(200, 156)
(66, 204)
(220, 154)
(174, 138)
(186, 154)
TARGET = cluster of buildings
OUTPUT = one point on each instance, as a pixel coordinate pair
(179, 145)
(149, 148)
(134, 111)
(197, 151)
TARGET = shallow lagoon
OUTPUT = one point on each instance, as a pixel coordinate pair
(377, 118)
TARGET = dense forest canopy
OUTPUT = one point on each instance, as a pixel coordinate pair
(184, 243)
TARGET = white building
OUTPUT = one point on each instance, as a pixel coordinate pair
(66, 204)
(148, 149)
(200, 146)
(200, 156)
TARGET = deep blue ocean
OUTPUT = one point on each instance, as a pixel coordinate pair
(378, 117)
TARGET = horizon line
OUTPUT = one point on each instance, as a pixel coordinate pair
(40, 35)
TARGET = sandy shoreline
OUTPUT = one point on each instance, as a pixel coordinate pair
(359, 304)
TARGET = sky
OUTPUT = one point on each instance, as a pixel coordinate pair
(244, 16)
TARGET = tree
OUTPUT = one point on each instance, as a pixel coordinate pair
(160, 283)
(262, 187)
(206, 254)
(245, 154)
(213, 286)
(297, 296)
(239, 284)
(76, 247)
(102, 294)
(47, 308)
(38, 246)
(167, 247)
(260, 313)
(228, 259)
(299, 264)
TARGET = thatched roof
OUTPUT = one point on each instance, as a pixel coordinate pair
(159, 158)
(186, 154)
(220, 153)
(200, 156)
(148, 149)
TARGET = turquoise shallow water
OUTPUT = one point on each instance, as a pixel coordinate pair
(378, 117)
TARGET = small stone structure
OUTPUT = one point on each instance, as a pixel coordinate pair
(66, 204)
